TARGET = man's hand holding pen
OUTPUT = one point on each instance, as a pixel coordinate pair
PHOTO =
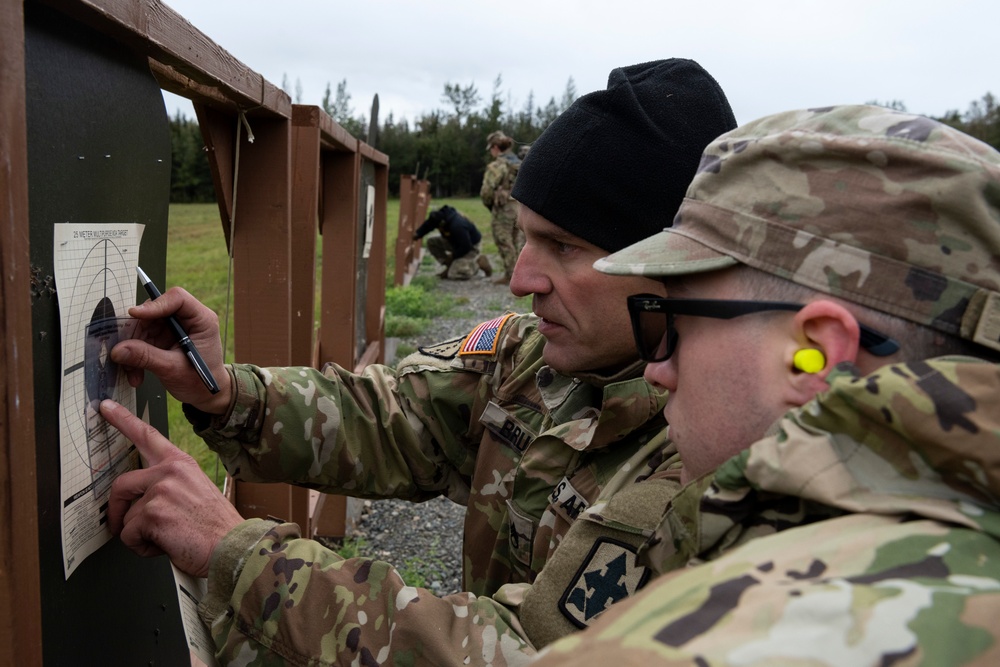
(155, 347)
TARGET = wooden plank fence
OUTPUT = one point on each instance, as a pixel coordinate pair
(303, 180)
(414, 200)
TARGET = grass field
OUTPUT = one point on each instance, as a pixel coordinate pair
(198, 262)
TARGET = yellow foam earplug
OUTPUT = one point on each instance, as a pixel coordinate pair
(809, 360)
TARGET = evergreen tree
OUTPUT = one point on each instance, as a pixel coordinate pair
(569, 95)
(446, 145)
(981, 120)
(190, 175)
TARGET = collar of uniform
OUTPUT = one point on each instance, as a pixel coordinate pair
(585, 415)
(598, 379)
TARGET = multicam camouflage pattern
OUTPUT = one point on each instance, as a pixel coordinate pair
(868, 533)
(527, 450)
(498, 181)
(889, 210)
(463, 268)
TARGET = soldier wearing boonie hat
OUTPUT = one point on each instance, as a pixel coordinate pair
(842, 505)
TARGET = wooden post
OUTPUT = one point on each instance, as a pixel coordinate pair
(262, 285)
(338, 224)
(304, 224)
(375, 305)
(262, 246)
(414, 200)
(20, 606)
(407, 250)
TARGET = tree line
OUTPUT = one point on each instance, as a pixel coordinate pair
(446, 146)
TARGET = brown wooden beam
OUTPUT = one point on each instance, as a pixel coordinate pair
(339, 227)
(20, 606)
(336, 137)
(304, 227)
(375, 305)
(173, 81)
(262, 282)
(153, 29)
(262, 238)
(373, 154)
(218, 131)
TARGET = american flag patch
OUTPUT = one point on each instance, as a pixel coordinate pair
(483, 339)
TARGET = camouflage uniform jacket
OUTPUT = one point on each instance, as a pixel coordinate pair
(498, 181)
(868, 528)
(479, 419)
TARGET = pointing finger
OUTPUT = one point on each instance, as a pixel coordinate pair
(150, 443)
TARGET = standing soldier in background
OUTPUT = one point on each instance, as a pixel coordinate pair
(498, 181)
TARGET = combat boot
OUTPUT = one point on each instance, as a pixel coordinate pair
(484, 264)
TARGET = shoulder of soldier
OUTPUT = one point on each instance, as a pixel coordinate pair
(498, 166)
(509, 335)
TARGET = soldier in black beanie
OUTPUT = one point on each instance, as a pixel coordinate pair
(541, 425)
(611, 170)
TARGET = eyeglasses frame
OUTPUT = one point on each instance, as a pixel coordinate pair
(873, 341)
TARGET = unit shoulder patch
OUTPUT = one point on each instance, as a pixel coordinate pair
(609, 573)
(483, 339)
(443, 350)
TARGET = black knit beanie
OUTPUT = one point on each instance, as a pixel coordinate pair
(613, 168)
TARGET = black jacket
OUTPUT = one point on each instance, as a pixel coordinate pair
(454, 227)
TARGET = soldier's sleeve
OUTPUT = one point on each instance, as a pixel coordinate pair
(426, 228)
(597, 563)
(275, 598)
(856, 590)
(491, 180)
(380, 433)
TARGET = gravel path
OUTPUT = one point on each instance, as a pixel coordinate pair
(424, 540)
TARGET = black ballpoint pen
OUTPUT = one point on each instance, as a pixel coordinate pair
(186, 344)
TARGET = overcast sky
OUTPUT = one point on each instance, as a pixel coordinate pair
(768, 55)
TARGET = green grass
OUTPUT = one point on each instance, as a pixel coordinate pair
(410, 309)
(198, 262)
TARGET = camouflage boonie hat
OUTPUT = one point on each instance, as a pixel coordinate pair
(494, 138)
(889, 210)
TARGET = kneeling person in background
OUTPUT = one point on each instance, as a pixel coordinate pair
(458, 247)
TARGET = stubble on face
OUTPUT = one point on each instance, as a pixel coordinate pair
(584, 317)
(724, 388)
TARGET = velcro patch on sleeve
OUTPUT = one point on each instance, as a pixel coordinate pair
(483, 339)
(443, 350)
(988, 329)
(506, 427)
(609, 573)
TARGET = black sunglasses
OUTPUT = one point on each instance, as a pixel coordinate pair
(655, 335)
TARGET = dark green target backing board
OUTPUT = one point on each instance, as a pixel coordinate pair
(98, 151)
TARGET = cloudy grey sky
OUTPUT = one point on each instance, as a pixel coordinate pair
(768, 55)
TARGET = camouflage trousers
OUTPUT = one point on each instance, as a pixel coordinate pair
(508, 237)
(462, 268)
